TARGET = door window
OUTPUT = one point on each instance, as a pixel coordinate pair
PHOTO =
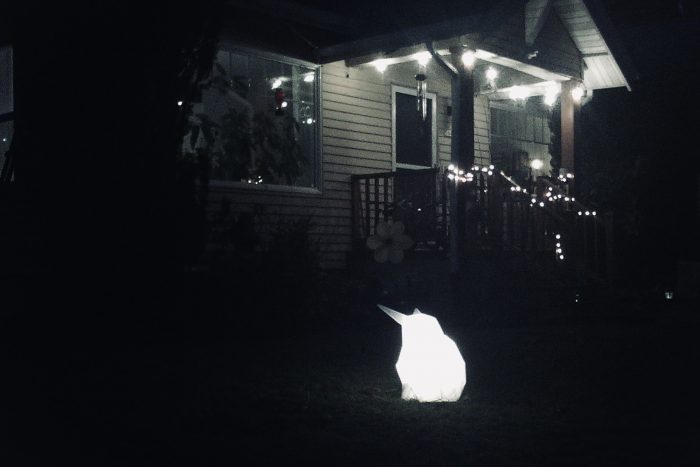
(414, 138)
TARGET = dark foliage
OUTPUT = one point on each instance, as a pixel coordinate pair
(276, 270)
(634, 154)
(98, 127)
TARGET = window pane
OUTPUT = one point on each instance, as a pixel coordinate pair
(6, 104)
(496, 121)
(257, 121)
(530, 128)
(517, 136)
(414, 136)
(521, 120)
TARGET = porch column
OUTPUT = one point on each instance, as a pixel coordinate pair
(569, 108)
(462, 153)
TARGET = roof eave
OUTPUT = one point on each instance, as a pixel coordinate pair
(612, 41)
(382, 43)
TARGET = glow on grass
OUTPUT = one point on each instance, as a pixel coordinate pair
(430, 367)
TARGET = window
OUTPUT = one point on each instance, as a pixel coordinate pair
(6, 108)
(519, 135)
(257, 120)
(414, 138)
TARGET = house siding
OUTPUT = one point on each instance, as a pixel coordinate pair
(356, 126)
(556, 49)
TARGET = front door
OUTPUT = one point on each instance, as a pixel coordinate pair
(414, 138)
(414, 148)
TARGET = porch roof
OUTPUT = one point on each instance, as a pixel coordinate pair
(607, 65)
(364, 30)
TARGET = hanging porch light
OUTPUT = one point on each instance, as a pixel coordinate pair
(469, 59)
(380, 64)
(536, 164)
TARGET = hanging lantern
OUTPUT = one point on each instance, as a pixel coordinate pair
(280, 103)
(421, 98)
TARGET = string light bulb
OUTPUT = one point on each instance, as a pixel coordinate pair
(518, 93)
(422, 58)
(469, 59)
(458, 175)
(577, 93)
(381, 64)
(491, 74)
(552, 90)
(536, 164)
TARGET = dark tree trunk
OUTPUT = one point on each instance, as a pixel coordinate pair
(98, 126)
(98, 129)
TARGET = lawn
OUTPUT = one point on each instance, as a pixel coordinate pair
(227, 392)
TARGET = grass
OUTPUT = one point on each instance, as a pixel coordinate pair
(205, 391)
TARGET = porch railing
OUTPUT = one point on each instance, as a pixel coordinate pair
(500, 216)
(418, 198)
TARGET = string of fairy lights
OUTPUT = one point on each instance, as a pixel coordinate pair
(550, 92)
(559, 250)
(551, 196)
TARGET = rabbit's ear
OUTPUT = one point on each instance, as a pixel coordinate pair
(393, 314)
(416, 311)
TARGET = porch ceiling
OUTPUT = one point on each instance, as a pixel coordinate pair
(407, 54)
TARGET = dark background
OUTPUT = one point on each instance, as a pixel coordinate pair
(103, 324)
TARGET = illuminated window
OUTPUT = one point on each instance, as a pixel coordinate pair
(257, 120)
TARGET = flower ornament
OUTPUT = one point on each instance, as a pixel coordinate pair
(389, 242)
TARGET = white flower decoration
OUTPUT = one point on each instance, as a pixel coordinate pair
(389, 242)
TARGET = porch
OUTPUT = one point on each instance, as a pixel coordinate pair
(535, 221)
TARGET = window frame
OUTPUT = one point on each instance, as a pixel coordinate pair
(317, 187)
(430, 95)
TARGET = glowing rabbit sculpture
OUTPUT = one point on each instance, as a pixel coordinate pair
(430, 366)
